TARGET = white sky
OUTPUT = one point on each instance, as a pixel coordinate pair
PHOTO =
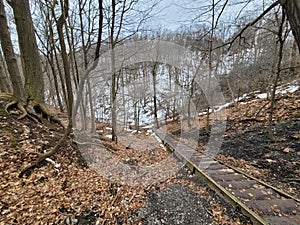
(175, 13)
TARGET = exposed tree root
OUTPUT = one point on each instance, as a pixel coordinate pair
(33, 110)
(27, 170)
(5, 95)
(10, 104)
(24, 112)
(51, 117)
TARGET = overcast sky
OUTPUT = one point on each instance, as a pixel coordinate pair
(171, 14)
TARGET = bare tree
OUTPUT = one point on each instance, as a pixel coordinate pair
(115, 27)
(281, 35)
(60, 22)
(34, 83)
(214, 23)
(45, 35)
(154, 81)
(11, 61)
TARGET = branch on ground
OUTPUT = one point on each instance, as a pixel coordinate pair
(27, 170)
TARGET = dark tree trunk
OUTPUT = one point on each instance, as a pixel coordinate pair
(292, 8)
(154, 94)
(34, 83)
(5, 84)
(60, 24)
(4, 81)
(11, 61)
(281, 41)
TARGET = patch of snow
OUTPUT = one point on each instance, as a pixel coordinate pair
(162, 146)
(220, 107)
(56, 165)
(289, 89)
(50, 160)
(135, 131)
(127, 129)
(243, 96)
(262, 96)
(225, 105)
(202, 113)
(157, 138)
(246, 103)
(148, 126)
(109, 136)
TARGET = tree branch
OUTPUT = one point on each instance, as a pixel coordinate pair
(253, 22)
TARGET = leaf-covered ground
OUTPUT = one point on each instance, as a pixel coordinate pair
(64, 190)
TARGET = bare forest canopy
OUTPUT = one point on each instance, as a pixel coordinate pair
(243, 45)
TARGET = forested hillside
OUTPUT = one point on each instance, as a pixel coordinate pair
(92, 91)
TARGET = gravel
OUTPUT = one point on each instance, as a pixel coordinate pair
(180, 204)
(176, 204)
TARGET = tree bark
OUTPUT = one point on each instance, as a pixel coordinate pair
(5, 85)
(113, 78)
(10, 57)
(292, 8)
(34, 83)
(294, 58)
(60, 23)
(281, 41)
(154, 71)
(99, 38)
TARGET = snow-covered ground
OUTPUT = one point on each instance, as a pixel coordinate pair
(291, 88)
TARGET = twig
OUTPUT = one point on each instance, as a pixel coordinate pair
(253, 22)
(116, 197)
(294, 179)
(132, 197)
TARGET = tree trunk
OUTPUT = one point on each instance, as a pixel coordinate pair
(154, 94)
(210, 61)
(85, 50)
(114, 98)
(292, 8)
(294, 59)
(51, 62)
(281, 40)
(100, 25)
(34, 83)
(11, 61)
(113, 42)
(60, 23)
(5, 85)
